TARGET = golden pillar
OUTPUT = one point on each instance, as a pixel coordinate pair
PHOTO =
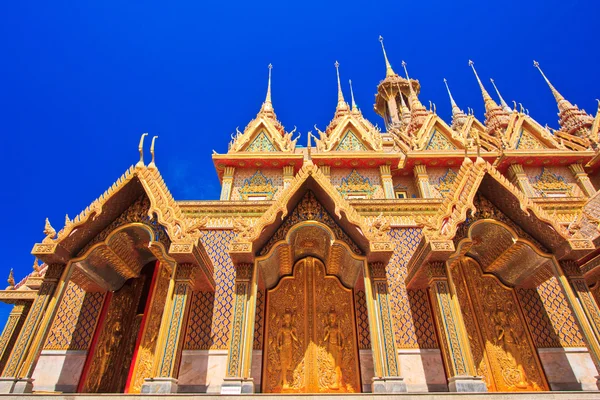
(422, 178)
(456, 350)
(383, 341)
(227, 183)
(16, 376)
(583, 179)
(326, 170)
(386, 180)
(583, 305)
(288, 175)
(517, 175)
(239, 358)
(12, 329)
(172, 333)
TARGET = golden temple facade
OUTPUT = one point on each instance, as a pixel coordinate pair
(429, 257)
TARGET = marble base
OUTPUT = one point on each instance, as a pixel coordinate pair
(236, 385)
(58, 370)
(388, 384)
(16, 385)
(569, 368)
(423, 370)
(466, 384)
(159, 385)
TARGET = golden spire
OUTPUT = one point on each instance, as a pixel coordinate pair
(342, 105)
(388, 67)
(413, 99)
(354, 107)
(502, 102)
(557, 95)
(267, 105)
(486, 96)
(458, 115)
(405, 111)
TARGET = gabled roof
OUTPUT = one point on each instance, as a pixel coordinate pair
(264, 124)
(349, 121)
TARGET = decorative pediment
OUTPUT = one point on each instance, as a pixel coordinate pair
(257, 187)
(445, 183)
(524, 133)
(438, 141)
(350, 131)
(263, 134)
(261, 144)
(549, 184)
(356, 186)
(526, 141)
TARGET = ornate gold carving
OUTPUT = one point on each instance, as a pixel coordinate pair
(355, 185)
(548, 183)
(258, 187)
(310, 343)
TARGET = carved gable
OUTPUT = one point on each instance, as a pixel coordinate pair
(261, 144)
(526, 141)
(350, 142)
(438, 141)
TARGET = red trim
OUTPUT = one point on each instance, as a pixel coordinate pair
(92, 350)
(142, 325)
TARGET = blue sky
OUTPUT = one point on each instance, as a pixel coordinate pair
(80, 81)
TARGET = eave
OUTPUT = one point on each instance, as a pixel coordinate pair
(542, 158)
(259, 160)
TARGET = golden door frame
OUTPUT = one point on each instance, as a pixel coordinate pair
(334, 365)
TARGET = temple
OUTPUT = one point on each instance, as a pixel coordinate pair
(431, 257)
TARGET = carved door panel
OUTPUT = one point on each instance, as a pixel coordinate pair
(501, 343)
(310, 334)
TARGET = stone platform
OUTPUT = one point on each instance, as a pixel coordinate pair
(363, 396)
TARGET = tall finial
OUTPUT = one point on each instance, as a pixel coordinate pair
(388, 67)
(410, 88)
(458, 115)
(141, 149)
(502, 102)
(486, 96)
(557, 95)
(341, 102)
(354, 107)
(413, 100)
(267, 106)
(152, 164)
(452, 102)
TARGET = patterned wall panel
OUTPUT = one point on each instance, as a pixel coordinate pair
(75, 321)
(372, 174)
(549, 317)
(275, 175)
(441, 180)
(362, 321)
(259, 321)
(210, 316)
(552, 178)
(413, 320)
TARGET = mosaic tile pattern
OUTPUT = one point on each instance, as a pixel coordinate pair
(275, 175)
(198, 334)
(259, 321)
(362, 321)
(372, 174)
(413, 319)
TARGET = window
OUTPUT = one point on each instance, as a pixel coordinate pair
(401, 194)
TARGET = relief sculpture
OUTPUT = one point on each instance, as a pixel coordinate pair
(310, 335)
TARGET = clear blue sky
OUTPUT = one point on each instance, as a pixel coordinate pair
(80, 81)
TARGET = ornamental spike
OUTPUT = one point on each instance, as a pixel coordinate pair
(502, 102)
(152, 164)
(354, 107)
(342, 105)
(388, 67)
(140, 163)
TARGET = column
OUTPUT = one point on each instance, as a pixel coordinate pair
(583, 305)
(288, 175)
(385, 357)
(393, 109)
(16, 376)
(326, 169)
(422, 178)
(172, 333)
(517, 176)
(238, 378)
(386, 180)
(456, 350)
(227, 183)
(583, 179)
(12, 329)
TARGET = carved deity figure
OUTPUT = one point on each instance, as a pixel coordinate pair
(508, 338)
(285, 345)
(335, 344)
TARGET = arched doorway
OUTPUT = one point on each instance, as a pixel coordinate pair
(310, 333)
(501, 343)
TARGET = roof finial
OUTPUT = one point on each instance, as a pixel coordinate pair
(354, 107)
(141, 149)
(388, 67)
(502, 102)
(267, 105)
(557, 95)
(458, 115)
(152, 164)
(341, 102)
(11, 280)
(36, 267)
(413, 100)
(452, 102)
(486, 95)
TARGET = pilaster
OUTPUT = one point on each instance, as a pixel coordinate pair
(583, 179)
(16, 376)
(517, 175)
(326, 170)
(386, 180)
(456, 350)
(583, 305)
(227, 183)
(387, 371)
(393, 109)
(238, 377)
(172, 333)
(288, 175)
(12, 329)
(422, 178)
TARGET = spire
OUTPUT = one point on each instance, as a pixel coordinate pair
(267, 105)
(489, 102)
(458, 115)
(413, 99)
(405, 111)
(559, 98)
(354, 107)
(342, 105)
(502, 102)
(388, 67)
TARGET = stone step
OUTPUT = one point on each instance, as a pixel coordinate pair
(361, 396)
